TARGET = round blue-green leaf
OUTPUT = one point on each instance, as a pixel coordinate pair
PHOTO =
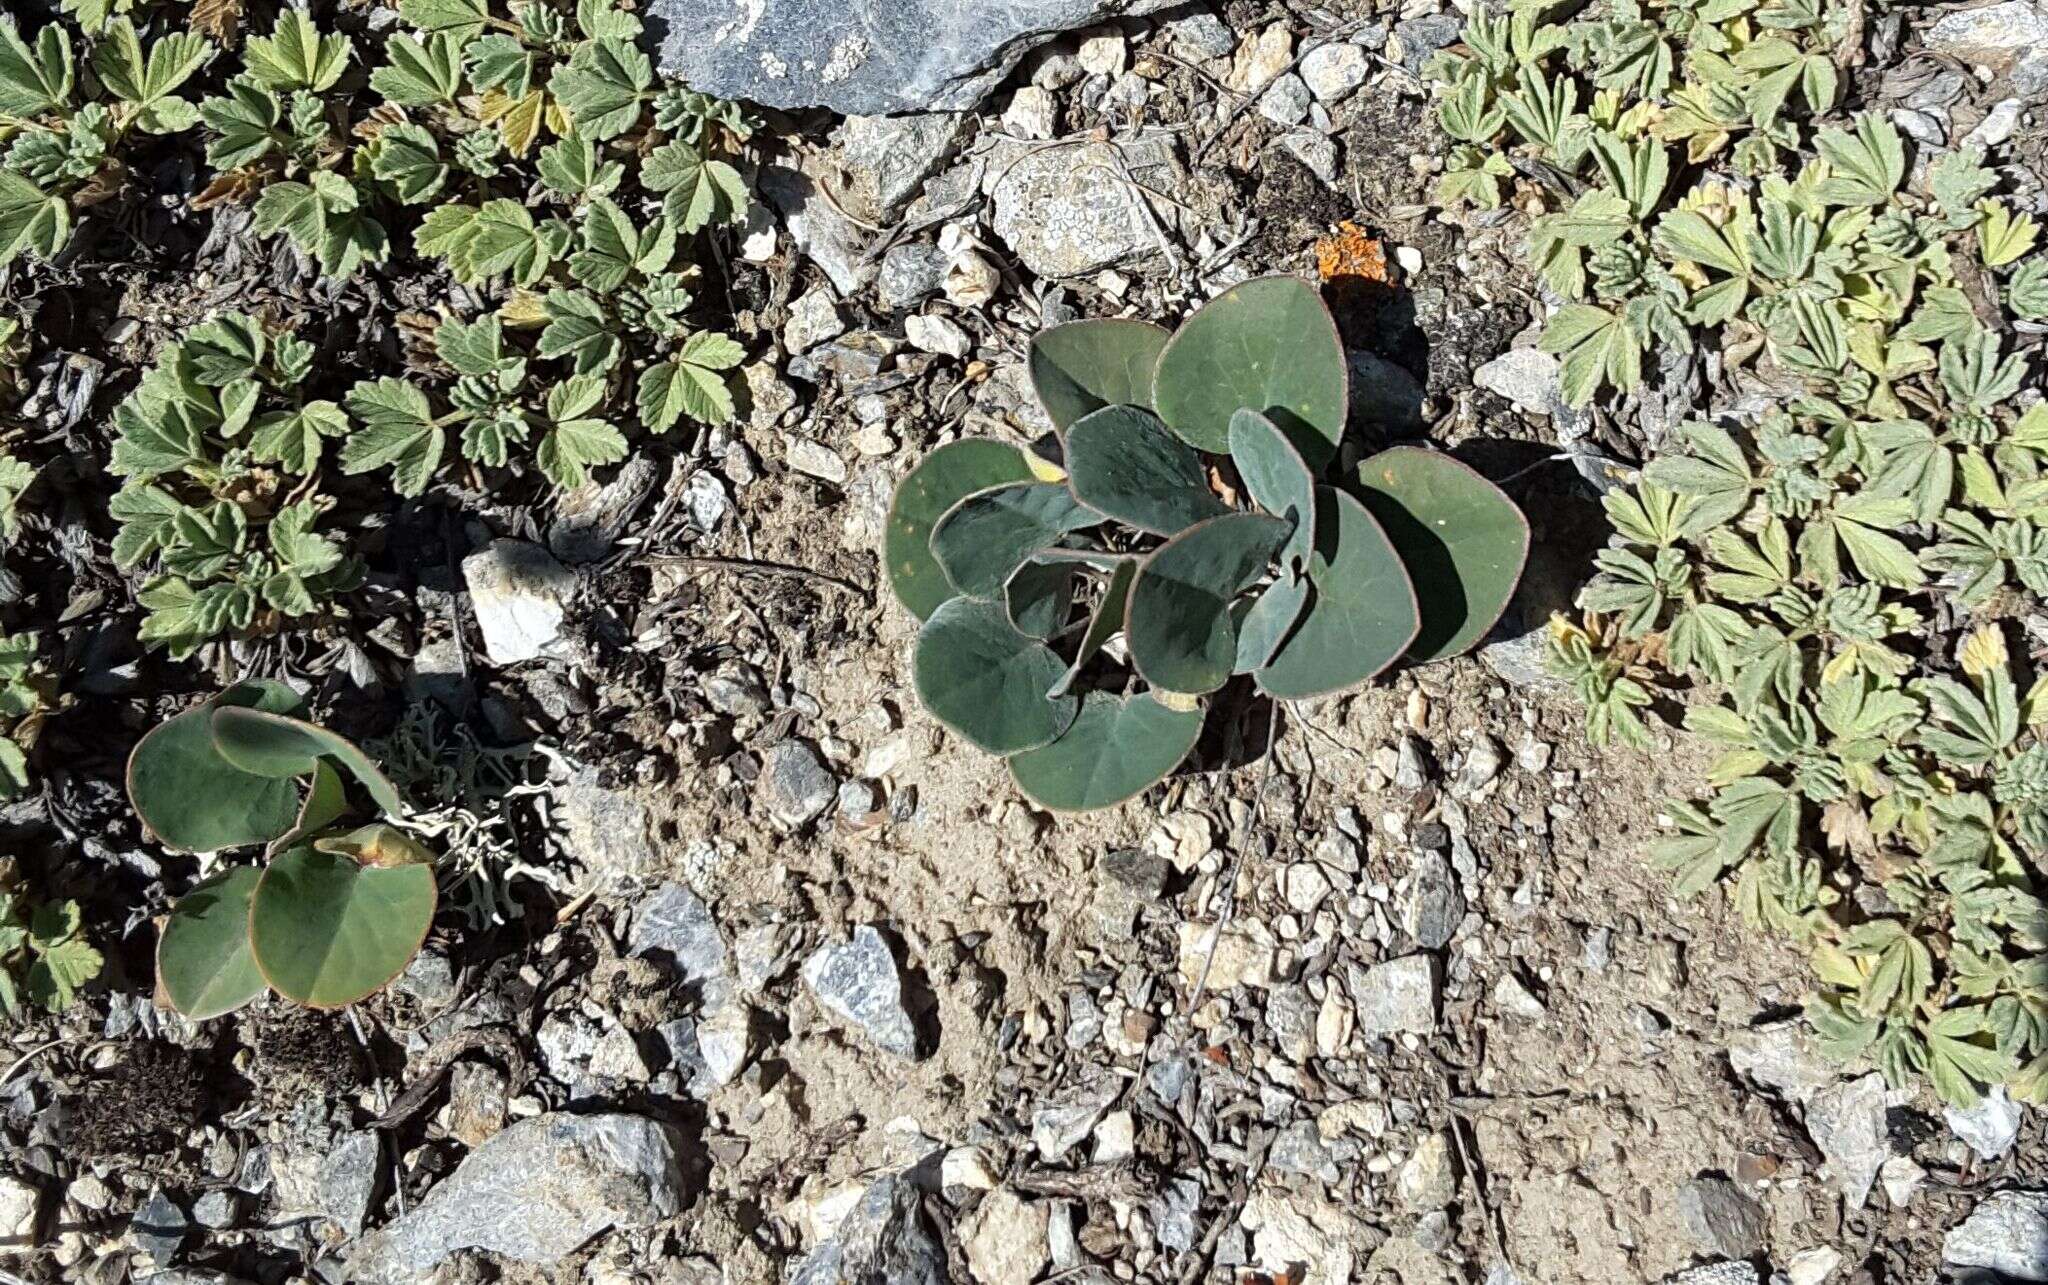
(326, 931)
(1463, 540)
(944, 478)
(1269, 345)
(987, 681)
(1083, 366)
(1103, 624)
(987, 536)
(1270, 622)
(1178, 623)
(193, 800)
(275, 745)
(1039, 596)
(202, 959)
(1117, 748)
(1123, 462)
(1279, 479)
(1361, 616)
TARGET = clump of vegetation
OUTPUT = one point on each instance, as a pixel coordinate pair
(1187, 533)
(65, 125)
(1839, 567)
(28, 692)
(221, 452)
(335, 912)
(584, 238)
(44, 956)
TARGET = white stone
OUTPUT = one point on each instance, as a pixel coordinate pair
(1244, 956)
(967, 1167)
(518, 592)
(1116, 1138)
(1261, 59)
(1334, 70)
(1006, 1240)
(1812, 1266)
(1285, 101)
(2007, 1233)
(1993, 38)
(20, 1211)
(1997, 126)
(941, 335)
(1847, 1123)
(1991, 1127)
(1103, 54)
(1902, 1179)
(1033, 113)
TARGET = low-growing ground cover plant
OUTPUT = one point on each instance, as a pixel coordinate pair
(65, 117)
(1188, 531)
(28, 692)
(335, 910)
(44, 956)
(1841, 563)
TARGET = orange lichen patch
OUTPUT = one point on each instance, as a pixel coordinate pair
(1350, 256)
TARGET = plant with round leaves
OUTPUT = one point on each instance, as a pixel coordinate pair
(1188, 529)
(334, 913)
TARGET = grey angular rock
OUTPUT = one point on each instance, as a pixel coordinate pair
(795, 784)
(1721, 1218)
(1397, 997)
(534, 1193)
(1992, 1126)
(888, 158)
(1717, 1274)
(518, 592)
(672, 926)
(1060, 1125)
(21, 1214)
(606, 829)
(2007, 1233)
(1784, 1056)
(1421, 37)
(911, 273)
(1068, 209)
(904, 56)
(1433, 905)
(1529, 377)
(883, 1238)
(348, 1180)
(159, 1228)
(1006, 1239)
(1846, 1121)
(821, 232)
(1173, 1213)
(590, 519)
(859, 983)
(1995, 37)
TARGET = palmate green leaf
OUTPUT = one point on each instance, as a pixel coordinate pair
(1866, 166)
(2004, 237)
(144, 79)
(1962, 1057)
(1637, 172)
(1973, 374)
(575, 442)
(420, 73)
(572, 167)
(1540, 108)
(397, 429)
(16, 476)
(294, 437)
(407, 157)
(31, 220)
(1900, 968)
(1958, 181)
(241, 126)
(474, 347)
(460, 18)
(604, 86)
(500, 61)
(699, 192)
(1597, 349)
(295, 55)
(34, 79)
(1974, 725)
(1780, 66)
(2026, 293)
(1558, 242)
(580, 329)
(500, 237)
(691, 383)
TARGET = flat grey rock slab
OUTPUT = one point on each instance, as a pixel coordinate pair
(864, 59)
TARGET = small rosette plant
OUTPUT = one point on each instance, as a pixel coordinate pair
(1186, 533)
(335, 912)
